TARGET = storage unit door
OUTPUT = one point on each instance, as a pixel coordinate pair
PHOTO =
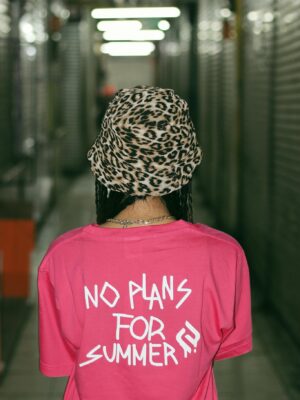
(284, 271)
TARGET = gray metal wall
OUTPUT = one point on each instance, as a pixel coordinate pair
(33, 138)
(77, 92)
(255, 133)
(175, 56)
(249, 92)
(23, 103)
(47, 98)
(270, 131)
(6, 81)
(217, 54)
(73, 101)
(285, 165)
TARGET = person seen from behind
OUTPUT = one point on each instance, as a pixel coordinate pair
(140, 303)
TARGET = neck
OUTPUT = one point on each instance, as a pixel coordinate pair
(151, 207)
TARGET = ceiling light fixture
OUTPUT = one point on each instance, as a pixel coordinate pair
(135, 12)
(146, 34)
(118, 25)
(127, 48)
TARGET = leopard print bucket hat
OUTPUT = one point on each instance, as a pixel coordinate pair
(147, 144)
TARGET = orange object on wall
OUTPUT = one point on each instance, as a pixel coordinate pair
(16, 244)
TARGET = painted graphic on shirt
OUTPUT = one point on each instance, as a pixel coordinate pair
(187, 337)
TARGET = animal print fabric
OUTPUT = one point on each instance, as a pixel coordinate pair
(147, 144)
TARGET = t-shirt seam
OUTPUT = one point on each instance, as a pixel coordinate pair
(237, 351)
(236, 245)
(55, 365)
(81, 234)
(235, 346)
(83, 231)
(50, 251)
(122, 238)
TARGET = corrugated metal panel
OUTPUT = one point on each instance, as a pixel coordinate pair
(228, 168)
(41, 84)
(184, 57)
(33, 80)
(215, 106)
(286, 165)
(6, 149)
(34, 67)
(166, 74)
(205, 173)
(90, 82)
(271, 147)
(174, 50)
(16, 106)
(171, 54)
(28, 94)
(72, 99)
(257, 64)
(218, 111)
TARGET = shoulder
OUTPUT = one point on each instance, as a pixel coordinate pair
(217, 234)
(62, 244)
(227, 257)
(70, 236)
(217, 237)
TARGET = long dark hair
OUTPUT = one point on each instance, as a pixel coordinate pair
(178, 202)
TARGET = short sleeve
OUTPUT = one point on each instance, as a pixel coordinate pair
(56, 357)
(238, 340)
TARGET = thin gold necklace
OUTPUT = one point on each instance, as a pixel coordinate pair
(126, 222)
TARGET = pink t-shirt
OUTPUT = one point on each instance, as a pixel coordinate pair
(141, 313)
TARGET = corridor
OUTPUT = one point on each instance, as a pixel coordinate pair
(236, 65)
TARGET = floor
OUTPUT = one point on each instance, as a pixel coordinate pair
(250, 377)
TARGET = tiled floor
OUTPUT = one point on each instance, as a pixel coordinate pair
(250, 377)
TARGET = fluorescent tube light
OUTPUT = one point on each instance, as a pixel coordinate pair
(135, 12)
(118, 25)
(128, 48)
(129, 53)
(146, 34)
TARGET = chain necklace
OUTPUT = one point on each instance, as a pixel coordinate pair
(126, 222)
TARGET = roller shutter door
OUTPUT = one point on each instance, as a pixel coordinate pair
(218, 113)
(205, 96)
(6, 145)
(256, 119)
(286, 165)
(228, 131)
(72, 99)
